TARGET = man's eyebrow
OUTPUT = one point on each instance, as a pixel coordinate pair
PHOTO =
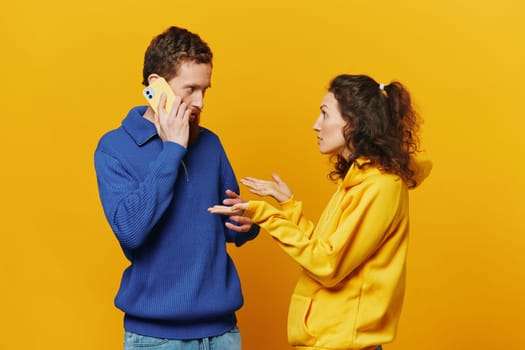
(198, 86)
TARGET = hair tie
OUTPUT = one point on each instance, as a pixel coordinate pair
(382, 87)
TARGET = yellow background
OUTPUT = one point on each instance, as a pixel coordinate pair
(72, 69)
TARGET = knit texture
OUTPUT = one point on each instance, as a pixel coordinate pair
(181, 283)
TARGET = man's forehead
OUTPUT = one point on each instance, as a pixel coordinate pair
(193, 72)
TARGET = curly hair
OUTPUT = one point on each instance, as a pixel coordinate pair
(174, 46)
(381, 125)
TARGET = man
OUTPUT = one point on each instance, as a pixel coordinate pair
(157, 175)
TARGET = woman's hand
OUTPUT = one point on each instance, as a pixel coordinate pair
(277, 188)
(234, 206)
(234, 210)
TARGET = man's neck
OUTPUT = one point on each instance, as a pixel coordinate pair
(149, 115)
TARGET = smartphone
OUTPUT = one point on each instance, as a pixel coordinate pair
(154, 90)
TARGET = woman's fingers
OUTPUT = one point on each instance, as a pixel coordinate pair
(277, 178)
(236, 209)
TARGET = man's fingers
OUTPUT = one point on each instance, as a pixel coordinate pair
(242, 223)
(232, 194)
(236, 228)
(233, 198)
(186, 116)
(162, 102)
(241, 220)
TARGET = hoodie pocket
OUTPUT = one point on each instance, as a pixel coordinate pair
(298, 332)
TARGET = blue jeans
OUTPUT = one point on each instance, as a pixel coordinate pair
(230, 340)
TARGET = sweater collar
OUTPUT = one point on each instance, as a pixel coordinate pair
(139, 128)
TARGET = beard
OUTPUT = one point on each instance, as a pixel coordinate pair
(194, 130)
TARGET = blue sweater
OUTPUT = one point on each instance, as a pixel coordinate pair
(181, 283)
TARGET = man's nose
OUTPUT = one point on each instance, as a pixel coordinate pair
(198, 100)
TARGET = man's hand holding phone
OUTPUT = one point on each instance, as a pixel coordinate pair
(171, 114)
(173, 126)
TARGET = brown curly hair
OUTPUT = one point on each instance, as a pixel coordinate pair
(381, 125)
(174, 46)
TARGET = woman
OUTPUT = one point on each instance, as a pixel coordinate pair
(350, 291)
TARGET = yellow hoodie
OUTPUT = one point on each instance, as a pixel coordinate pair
(350, 291)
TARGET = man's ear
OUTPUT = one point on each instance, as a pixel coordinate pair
(152, 77)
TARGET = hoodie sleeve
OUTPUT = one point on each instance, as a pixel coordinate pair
(333, 254)
(293, 210)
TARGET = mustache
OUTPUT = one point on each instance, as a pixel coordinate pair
(195, 114)
(196, 110)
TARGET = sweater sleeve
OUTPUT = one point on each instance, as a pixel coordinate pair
(361, 229)
(134, 206)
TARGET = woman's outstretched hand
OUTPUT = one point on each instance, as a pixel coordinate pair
(234, 210)
(277, 188)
